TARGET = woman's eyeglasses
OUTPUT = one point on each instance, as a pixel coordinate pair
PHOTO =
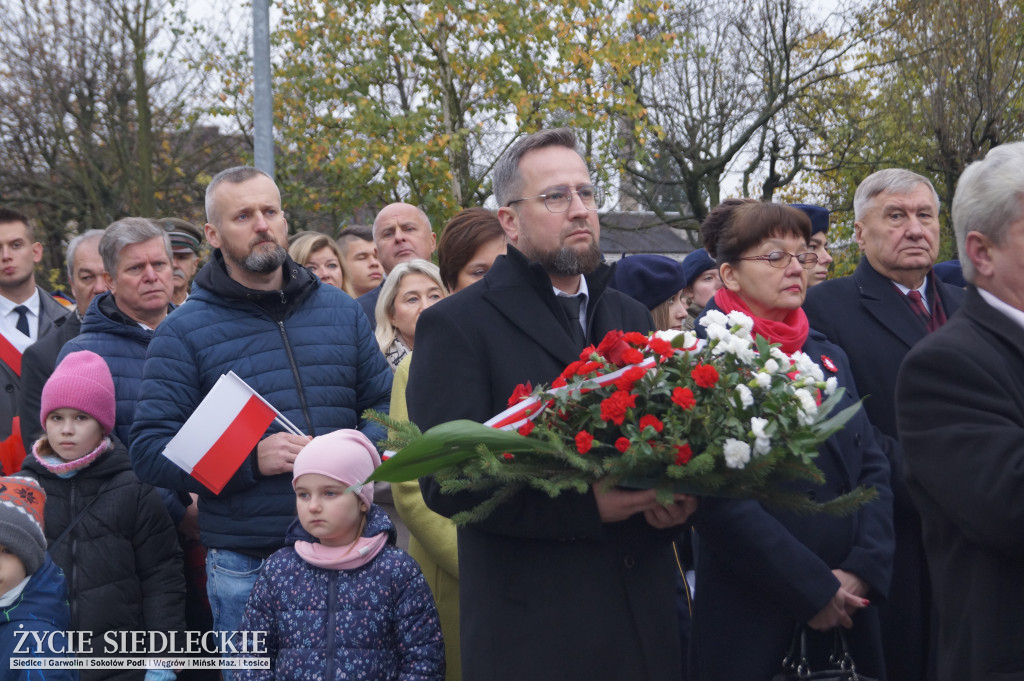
(781, 259)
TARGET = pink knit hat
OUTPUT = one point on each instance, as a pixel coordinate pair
(347, 456)
(81, 381)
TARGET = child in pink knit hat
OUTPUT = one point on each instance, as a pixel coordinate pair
(343, 601)
(108, 531)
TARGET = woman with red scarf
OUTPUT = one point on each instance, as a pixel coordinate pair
(761, 574)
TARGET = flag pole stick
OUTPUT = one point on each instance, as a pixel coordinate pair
(281, 418)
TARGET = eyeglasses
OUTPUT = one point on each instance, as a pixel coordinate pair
(558, 199)
(781, 259)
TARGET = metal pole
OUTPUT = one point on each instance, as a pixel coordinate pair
(263, 102)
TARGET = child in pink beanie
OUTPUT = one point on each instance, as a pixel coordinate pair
(343, 601)
(108, 531)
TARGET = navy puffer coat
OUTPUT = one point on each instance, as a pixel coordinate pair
(122, 344)
(307, 349)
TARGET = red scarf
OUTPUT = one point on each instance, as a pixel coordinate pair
(791, 332)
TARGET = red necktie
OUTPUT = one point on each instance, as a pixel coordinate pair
(917, 303)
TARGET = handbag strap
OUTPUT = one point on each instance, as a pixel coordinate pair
(796, 660)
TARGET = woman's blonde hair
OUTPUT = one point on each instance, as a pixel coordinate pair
(305, 245)
(386, 331)
(660, 314)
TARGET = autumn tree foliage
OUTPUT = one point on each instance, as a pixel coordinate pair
(379, 101)
(102, 114)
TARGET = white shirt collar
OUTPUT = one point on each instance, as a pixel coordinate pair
(9, 321)
(583, 293)
(923, 290)
(1017, 316)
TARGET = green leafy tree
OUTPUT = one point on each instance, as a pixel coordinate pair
(378, 100)
(729, 99)
(100, 114)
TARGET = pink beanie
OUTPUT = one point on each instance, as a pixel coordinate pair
(81, 381)
(347, 456)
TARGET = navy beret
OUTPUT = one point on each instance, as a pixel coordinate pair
(817, 214)
(695, 264)
(649, 279)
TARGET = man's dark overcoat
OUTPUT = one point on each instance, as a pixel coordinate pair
(547, 590)
(866, 315)
(961, 420)
(50, 311)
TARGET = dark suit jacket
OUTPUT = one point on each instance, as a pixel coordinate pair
(37, 363)
(49, 312)
(368, 301)
(866, 316)
(961, 421)
(547, 590)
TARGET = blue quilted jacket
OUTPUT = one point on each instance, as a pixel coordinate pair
(377, 621)
(307, 349)
(122, 344)
(41, 610)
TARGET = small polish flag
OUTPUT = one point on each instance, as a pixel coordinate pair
(221, 432)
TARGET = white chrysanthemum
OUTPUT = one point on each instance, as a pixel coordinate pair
(737, 453)
(746, 354)
(808, 407)
(716, 332)
(806, 367)
(771, 366)
(762, 443)
(737, 318)
(713, 318)
(746, 397)
(831, 384)
(807, 402)
(667, 334)
(763, 380)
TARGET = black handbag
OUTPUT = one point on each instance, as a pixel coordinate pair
(795, 666)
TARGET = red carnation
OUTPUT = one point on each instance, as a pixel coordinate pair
(584, 441)
(612, 347)
(629, 377)
(570, 370)
(662, 347)
(683, 397)
(632, 356)
(622, 444)
(526, 428)
(652, 421)
(559, 382)
(613, 408)
(636, 338)
(521, 392)
(587, 352)
(704, 375)
(587, 367)
(507, 456)
(683, 454)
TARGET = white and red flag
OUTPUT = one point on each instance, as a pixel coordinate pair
(221, 432)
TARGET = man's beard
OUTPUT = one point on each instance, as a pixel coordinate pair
(568, 262)
(260, 261)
